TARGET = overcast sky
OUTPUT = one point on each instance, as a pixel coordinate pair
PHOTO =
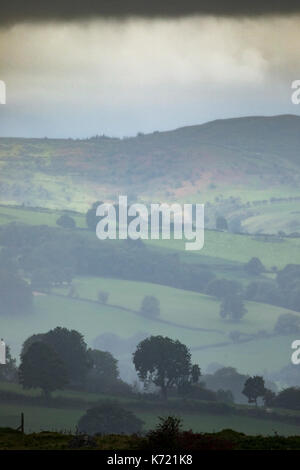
(119, 76)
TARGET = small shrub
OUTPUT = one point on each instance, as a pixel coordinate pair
(109, 418)
(166, 435)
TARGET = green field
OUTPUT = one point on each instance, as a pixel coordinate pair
(91, 320)
(186, 308)
(275, 217)
(183, 314)
(35, 217)
(239, 248)
(234, 167)
(219, 247)
(38, 418)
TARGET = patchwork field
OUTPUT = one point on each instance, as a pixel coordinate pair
(35, 216)
(240, 248)
(272, 218)
(183, 316)
(235, 167)
(185, 308)
(219, 247)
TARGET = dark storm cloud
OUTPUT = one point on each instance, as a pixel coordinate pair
(14, 11)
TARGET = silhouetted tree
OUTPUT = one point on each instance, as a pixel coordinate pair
(71, 349)
(254, 267)
(150, 306)
(66, 221)
(254, 388)
(102, 296)
(162, 361)
(41, 367)
(233, 307)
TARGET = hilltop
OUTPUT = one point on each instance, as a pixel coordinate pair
(227, 163)
(254, 152)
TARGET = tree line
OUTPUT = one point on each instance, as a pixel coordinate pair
(60, 359)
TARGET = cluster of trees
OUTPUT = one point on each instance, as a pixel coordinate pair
(227, 378)
(288, 280)
(230, 293)
(288, 398)
(51, 256)
(287, 324)
(60, 358)
(284, 292)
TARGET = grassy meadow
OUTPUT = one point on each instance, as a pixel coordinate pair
(58, 419)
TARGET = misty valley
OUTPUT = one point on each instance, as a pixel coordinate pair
(105, 336)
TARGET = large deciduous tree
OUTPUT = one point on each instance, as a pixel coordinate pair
(162, 361)
(254, 388)
(70, 347)
(41, 367)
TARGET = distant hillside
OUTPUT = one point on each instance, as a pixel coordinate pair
(258, 155)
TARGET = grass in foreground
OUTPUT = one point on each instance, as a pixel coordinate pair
(223, 440)
(41, 418)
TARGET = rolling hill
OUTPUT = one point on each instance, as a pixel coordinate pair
(241, 157)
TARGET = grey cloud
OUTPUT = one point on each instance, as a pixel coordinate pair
(15, 11)
(122, 77)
